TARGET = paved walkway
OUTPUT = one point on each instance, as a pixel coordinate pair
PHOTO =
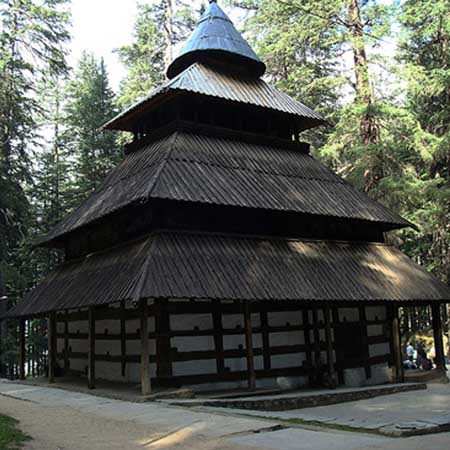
(405, 413)
(61, 420)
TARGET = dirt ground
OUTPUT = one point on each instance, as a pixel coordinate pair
(57, 428)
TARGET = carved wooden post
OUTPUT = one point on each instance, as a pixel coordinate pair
(22, 349)
(146, 387)
(51, 336)
(437, 334)
(91, 347)
(396, 344)
(329, 341)
(249, 347)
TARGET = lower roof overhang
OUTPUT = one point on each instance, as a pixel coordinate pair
(203, 266)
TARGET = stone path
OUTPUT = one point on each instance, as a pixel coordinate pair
(402, 414)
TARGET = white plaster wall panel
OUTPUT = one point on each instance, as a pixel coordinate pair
(133, 372)
(257, 340)
(380, 374)
(348, 314)
(231, 321)
(282, 382)
(355, 377)
(258, 362)
(190, 321)
(256, 320)
(79, 325)
(59, 345)
(60, 327)
(78, 345)
(78, 364)
(134, 346)
(192, 343)
(281, 318)
(375, 330)
(113, 326)
(132, 325)
(236, 364)
(322, 335)
(104, 347)
(286, 338)
(320, 316)
(194, 367)
(231, 342)
(379, 349)
(108, 371)
(287, 360)
(376, 312)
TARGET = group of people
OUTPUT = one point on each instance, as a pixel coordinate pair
(418, 358)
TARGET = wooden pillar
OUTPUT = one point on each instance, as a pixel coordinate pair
(22, 349)
(396, 344)
(146, 387)
(51, 336)
(218, 336)
(249, 346)
(123, 340)
(307, 339)
(365, 341)
(265, 339)
(66, 344)
(329, 341)
(91, 347)
(163, 349)
(316, 332)
(437, 334)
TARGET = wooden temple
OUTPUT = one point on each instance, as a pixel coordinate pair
(221, 252)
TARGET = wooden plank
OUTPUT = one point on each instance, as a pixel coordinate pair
(329, 345)
(365, 342)
(249, 347)
(218, 336)
(336, 325)
(145, 351)
(307, 340)
(51, 336)
(317, 356)
(162, 329)
(437, 335)
(91, 348)
(265, 330)
(66, 346)
(396, 343)
(123, 339)
(22, 349)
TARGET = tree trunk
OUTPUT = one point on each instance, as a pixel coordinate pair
(168, 32)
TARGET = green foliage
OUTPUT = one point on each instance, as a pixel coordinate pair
(10, 437)
(90, 104)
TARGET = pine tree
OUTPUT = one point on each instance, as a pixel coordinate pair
(90, 104)
(159, 27)
(32, 37)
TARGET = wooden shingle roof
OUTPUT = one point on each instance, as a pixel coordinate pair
(227, 171)
(218, 267)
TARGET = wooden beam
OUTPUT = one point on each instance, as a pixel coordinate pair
(329, 344)
(91, 348)
(249, 347)
(146, 387)
(162, 329)
(265, 339)
(437, 334)
(22, 349)
(307, 339)
(66, 345)
(51, 336)
(123, 339)
(218, 336)
(365, 341)
(396, 344)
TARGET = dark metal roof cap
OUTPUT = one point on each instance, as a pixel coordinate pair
(216, 38)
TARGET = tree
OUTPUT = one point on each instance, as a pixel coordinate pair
(32, 38)
(90, 104)
(158, 28)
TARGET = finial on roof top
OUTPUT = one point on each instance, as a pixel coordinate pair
(216, 39)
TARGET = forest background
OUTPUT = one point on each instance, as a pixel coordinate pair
(378, 70)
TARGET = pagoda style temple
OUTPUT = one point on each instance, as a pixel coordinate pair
(220, 252)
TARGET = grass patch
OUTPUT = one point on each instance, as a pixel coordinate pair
(11, 438)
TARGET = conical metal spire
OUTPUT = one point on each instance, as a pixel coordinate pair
(216, 39)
